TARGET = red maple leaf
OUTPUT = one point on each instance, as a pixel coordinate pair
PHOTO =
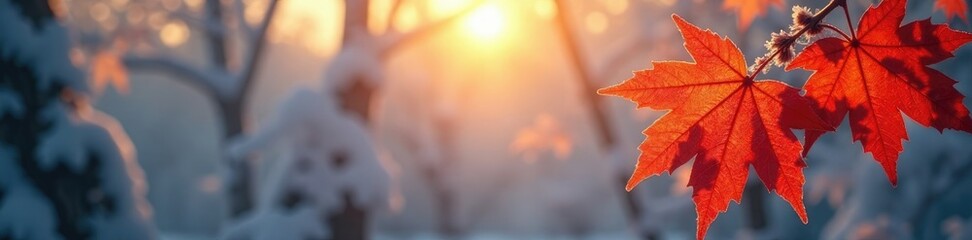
(725, 118)
(749, 9)
(882, 74)
(953, 8)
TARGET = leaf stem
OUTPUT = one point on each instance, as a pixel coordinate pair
(817, 18)
(849, 24)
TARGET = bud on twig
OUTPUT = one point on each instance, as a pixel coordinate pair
(782, 43)
(803, 18)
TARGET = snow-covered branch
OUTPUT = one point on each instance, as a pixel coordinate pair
(205, 25)
(217, 84)
(240, 15)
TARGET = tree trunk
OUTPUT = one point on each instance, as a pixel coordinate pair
(355, 99)
(241, 182)
(595, 104)
(351, 223)
(446, 201)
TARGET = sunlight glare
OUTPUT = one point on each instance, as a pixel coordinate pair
(157, 20)
(174, 33)
(135, 15)
(444, 8)
(171, 5)
(407, 19)
(99, 11)
(486, 22)
(378, 14)
(314, 25)
(545, 9)
(194, 5)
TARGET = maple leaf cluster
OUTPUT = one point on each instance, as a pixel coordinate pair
(728, 121)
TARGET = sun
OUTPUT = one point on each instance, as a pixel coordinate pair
(486, 22)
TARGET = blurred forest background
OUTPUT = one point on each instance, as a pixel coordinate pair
(403, 119)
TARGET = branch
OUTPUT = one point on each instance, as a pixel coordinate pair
(245, 27)
(205, 25)
(817, 19)
(393, 13)
(253, 63)
(213, 84)
(398, 40)
(595, 102)
(217, 41)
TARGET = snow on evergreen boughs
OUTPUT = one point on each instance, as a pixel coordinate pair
(26, 214)
(68, 171)
(44, 48)
(9, 103)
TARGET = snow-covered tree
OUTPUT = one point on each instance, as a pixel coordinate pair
(235, 50)
(115, 42)
(328, 179)
(67, 171)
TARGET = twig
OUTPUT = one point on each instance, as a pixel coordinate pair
(217, 41)
(585, 74)
(396, 8)
(816, 20)
(240, 12)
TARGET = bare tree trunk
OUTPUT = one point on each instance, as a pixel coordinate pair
(240, 185)
(436, 178)
(352, 221)
(240, 191)
(595, 104)
(232, 107)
